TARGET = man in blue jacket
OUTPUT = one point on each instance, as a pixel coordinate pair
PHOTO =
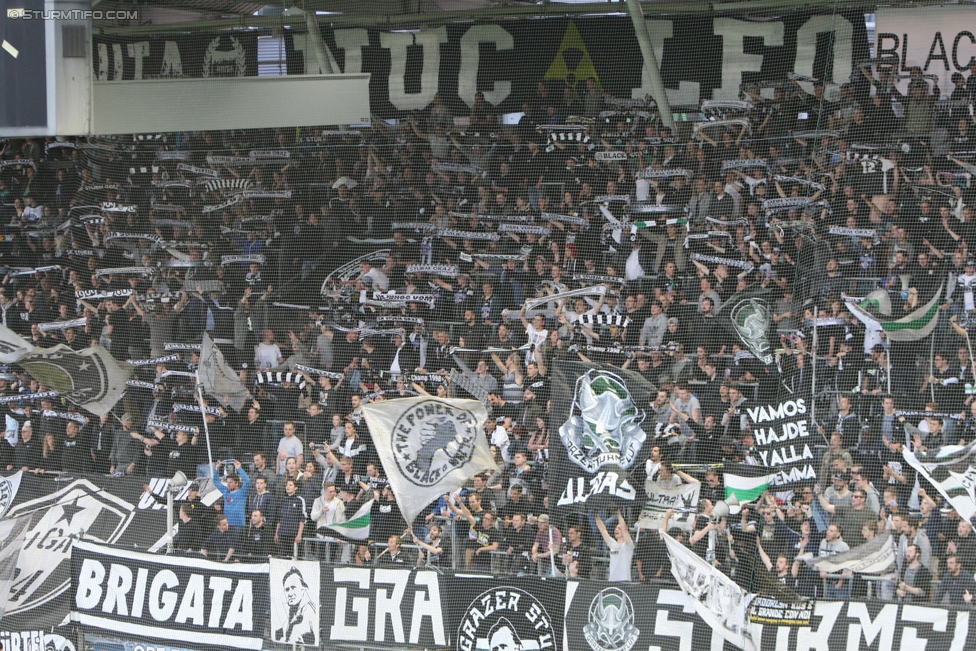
(235, 495)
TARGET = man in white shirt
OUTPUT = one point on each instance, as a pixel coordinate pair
(289, 446)
(372, 279)
(621, 547)
(535, 332)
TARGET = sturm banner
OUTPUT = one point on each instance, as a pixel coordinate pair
(601, 616)
(505, 61)
(176, 599)
(785, 440)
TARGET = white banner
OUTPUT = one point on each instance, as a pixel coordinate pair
(428, 447)
(660, 499)
(294, 601)
(939, 41)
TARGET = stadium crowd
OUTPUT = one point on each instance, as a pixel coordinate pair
(290, 249)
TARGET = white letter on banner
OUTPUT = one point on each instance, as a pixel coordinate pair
(427, 604)
(193, 602)
(397, 44)
(360, 605)
(883, 625)
(962, 631)
(241, 609)
(172, 65)
(937, 617)
(162, 604)
(390, 605)
(138, 51)
(806, 45)
(90, 579)
(471, 58)
(734, 60)
(827, 611)
(139, 594)
(118, 586)
(219, 585)
(672, 628)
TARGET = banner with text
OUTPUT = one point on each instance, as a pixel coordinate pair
(170, 598)
(785, 440)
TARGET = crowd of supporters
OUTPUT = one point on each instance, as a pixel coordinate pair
(291, 247)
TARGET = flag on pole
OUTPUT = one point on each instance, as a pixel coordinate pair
(746, 481)
(355, 528)
(428, 447)
(875, 312)
(91, 378)
(874, 556)
(218, 378)
(950, 469)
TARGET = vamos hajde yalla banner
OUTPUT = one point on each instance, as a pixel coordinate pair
(785, 440)
(169, 598)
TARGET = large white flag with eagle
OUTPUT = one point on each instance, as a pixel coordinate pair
(428, 447)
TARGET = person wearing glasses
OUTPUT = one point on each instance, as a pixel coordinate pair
(851, 518)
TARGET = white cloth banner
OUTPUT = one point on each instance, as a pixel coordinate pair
(428, 447)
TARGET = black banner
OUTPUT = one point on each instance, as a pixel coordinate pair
(786, 438)
(170, 598)
(428, 609)
(619, 617)
(600, 417)
(172, 56)
(505, 61)
(62, 510)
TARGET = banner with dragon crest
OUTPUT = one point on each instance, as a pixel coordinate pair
(600, 415)
(428, 447)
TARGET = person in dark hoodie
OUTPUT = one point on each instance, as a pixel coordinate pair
(27, 452)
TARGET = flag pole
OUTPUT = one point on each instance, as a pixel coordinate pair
(203, 414)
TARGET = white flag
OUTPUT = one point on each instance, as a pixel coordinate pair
(715, 597)
(92, 378)
(874, 556)
(218, 378)
(428, 447)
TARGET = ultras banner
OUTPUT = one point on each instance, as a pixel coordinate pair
(172, 598)
(362, 605)
(600, 417)
(505, 61)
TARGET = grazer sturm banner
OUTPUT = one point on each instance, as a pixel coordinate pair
(599, 415)
(785, 440)
(175, 56)
(169, 598)
(294, 602)
(939, 42)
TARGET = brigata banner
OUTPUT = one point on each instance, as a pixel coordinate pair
(176, 599)
(785, 440)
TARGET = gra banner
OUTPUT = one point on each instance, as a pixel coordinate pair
(604, 616)
(171, 598)
(426, 608)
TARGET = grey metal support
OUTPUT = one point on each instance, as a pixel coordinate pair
(650, 63)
